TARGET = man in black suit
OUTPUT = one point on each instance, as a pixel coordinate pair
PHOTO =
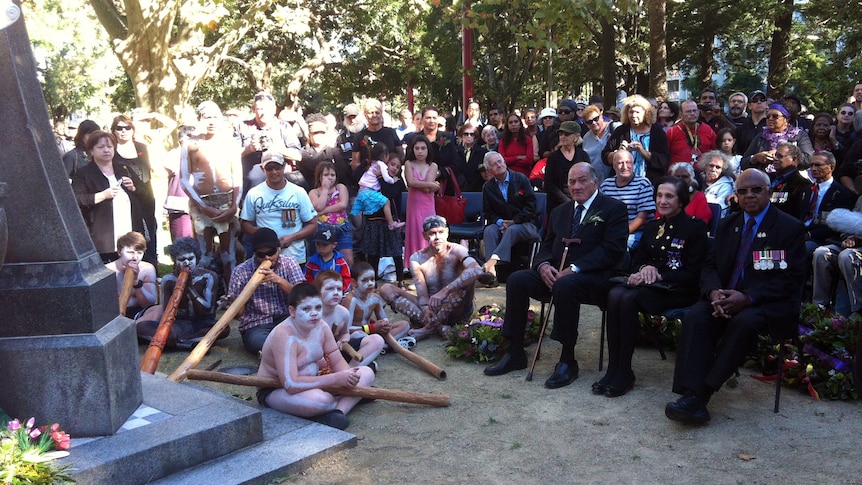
(594, 228)
(826, 195)
(509, 205)
(751, 284)
(790, 190)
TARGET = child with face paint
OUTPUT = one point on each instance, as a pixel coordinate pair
(356, 351)
(197, 308)
(131, 248)
(302, 354)
(367, 316)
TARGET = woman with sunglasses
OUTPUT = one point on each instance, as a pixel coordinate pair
(467, 160)
(845, 134)
(570, 152)
(596, 137)
(133, 157)
(761, 152)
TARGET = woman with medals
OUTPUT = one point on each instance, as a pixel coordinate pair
(666, 271)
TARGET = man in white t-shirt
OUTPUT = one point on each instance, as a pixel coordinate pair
(281, 206)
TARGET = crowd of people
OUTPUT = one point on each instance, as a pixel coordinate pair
(631, 195)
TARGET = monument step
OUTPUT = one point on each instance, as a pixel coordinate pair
(290, 445)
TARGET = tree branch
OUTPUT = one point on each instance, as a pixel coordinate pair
(110, 18)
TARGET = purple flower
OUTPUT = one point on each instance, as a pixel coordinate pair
(14, 425)
(463, 334)
(35, 433)
(31, 422)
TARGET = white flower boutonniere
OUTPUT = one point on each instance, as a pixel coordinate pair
(594, 219)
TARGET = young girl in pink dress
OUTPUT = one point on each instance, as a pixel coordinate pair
(420, 173)
(330, 199)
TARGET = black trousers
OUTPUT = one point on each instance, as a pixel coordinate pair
(568, 293)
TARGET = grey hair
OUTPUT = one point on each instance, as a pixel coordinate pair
(491, 154)
(688, 168)
(433, 222)
(728, 167)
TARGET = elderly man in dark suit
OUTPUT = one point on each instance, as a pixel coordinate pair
(751, 284)
(826, 195)
(594, 228)
(790, 190)
(509, 205)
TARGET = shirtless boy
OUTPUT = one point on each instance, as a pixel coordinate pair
(445, 278)
(131, 248)
(367, 316)
(302, 354)
(356, 351)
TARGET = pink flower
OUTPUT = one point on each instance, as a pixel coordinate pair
(463, 334)
(63, 440)
(31, 422)
(35, 433)
(55, 426)
(14, 425)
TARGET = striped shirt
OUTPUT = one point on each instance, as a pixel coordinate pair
(637, 195)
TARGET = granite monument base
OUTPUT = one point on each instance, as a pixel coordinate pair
(89, 383)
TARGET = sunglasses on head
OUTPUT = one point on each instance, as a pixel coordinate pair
(266, 254)
(753, 190)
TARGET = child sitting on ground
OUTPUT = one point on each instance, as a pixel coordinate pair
(356, 351)
(327, 258)
(302, 354)
(366, 307)
(370, 200)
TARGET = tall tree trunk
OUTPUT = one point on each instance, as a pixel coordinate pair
(658, 49)
(706, 57)
(779, 55)
(609, 63)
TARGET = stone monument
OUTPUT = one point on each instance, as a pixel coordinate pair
(66, 355)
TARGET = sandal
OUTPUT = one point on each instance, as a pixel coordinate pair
(407, 342)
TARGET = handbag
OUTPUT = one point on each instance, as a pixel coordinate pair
(450, 206)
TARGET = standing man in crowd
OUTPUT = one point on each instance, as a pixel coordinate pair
(689, 138)
(375, 131)
(593, 228)
(758, 105)
(265, 132)
(495, 119)
(736, 109)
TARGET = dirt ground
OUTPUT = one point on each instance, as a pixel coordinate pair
(509, 431)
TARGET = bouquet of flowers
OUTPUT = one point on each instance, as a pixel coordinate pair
(480, 340)
(825, 368)
(25, 451)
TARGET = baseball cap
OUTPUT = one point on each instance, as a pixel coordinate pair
(327, 234)
(569, 103)
(265, 238)
(351, 110)
(548, 112)
(755, 93)
(271, 157)
(571, 127)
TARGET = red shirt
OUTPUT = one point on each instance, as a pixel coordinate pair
(681, 145)
(513, 150)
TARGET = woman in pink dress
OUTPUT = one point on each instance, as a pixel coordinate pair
(421, 173)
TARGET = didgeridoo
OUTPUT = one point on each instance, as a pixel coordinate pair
(438, 400)
(417, 359)
(126, 292)
(204, 345)
(150, 361)
(547, 317)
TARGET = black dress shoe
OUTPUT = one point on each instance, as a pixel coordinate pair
(507, 364)
(688, 409)
(611, 391)
(564, 374)
(598, 388)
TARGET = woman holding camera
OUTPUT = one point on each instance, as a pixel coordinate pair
(640, 135)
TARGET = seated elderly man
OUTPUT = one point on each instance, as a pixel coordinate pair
(445, 277)
(840, 260)
(826, 195)
(509, 206)
(750, 285)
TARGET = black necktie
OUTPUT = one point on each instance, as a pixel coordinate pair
(742, 253)
(576, 219)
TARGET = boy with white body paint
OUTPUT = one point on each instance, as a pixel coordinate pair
(356, 351)
(367, 316)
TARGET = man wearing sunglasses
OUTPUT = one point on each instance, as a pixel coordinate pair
(751, 285)
(758, 104)
(281, 206)
(267, 306)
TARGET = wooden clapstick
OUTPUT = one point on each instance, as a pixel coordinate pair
(438, 400)
(204, 345)
(150, 361)
(126, 292)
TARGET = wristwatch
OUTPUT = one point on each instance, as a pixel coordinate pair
(573, 268)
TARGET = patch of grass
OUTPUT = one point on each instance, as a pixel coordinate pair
(505, 396)
(516, 446)
(636, 458)
(491, 421)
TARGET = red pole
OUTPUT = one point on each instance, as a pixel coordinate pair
(466, 58)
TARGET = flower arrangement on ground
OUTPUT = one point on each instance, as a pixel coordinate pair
(828, 346)
(25, 451)
(480, 340)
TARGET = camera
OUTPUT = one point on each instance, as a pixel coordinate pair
(265, 142)
(704, 107)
